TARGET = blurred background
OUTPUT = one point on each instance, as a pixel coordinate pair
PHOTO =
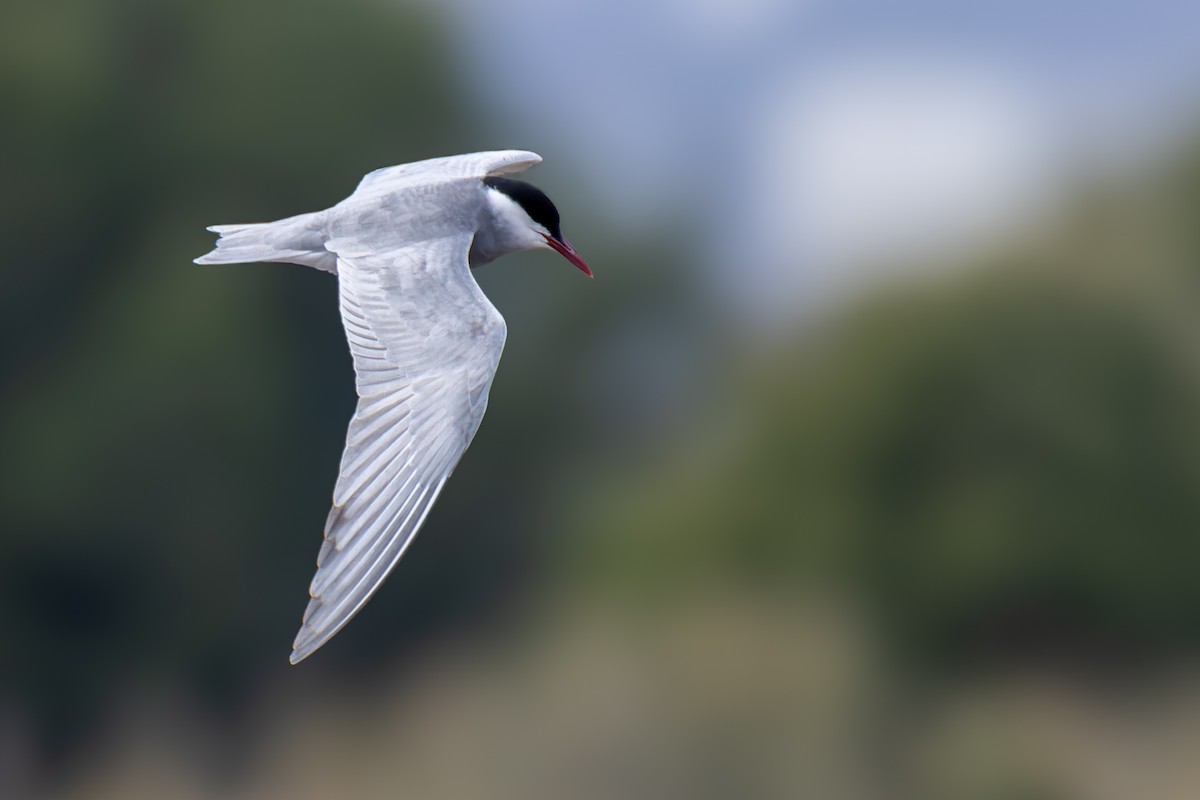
(867, 467)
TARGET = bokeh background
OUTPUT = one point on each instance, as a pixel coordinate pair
(867, 467)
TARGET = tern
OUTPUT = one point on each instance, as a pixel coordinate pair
(424, 339)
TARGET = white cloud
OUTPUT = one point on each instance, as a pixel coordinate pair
(877, 164)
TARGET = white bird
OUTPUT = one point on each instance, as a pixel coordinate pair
(424, 339)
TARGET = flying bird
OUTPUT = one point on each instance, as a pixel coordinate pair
(424, 339)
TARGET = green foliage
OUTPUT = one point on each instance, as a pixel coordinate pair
(167, 452)
(1010, 457)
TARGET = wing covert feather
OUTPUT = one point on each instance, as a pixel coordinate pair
(434, 170)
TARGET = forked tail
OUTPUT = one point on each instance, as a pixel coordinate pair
(296, 240)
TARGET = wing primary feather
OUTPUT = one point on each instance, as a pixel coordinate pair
(372, 460)
(342, 538)
(310, 640)
(348, 584)
(354, 561)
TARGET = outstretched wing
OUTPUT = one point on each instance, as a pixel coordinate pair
(426, 343)
(471, 165)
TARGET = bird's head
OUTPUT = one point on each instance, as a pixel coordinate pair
(529, 218)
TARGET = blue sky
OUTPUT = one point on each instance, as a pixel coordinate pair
(814, 140)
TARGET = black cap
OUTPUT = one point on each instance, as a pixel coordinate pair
(532, 199)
